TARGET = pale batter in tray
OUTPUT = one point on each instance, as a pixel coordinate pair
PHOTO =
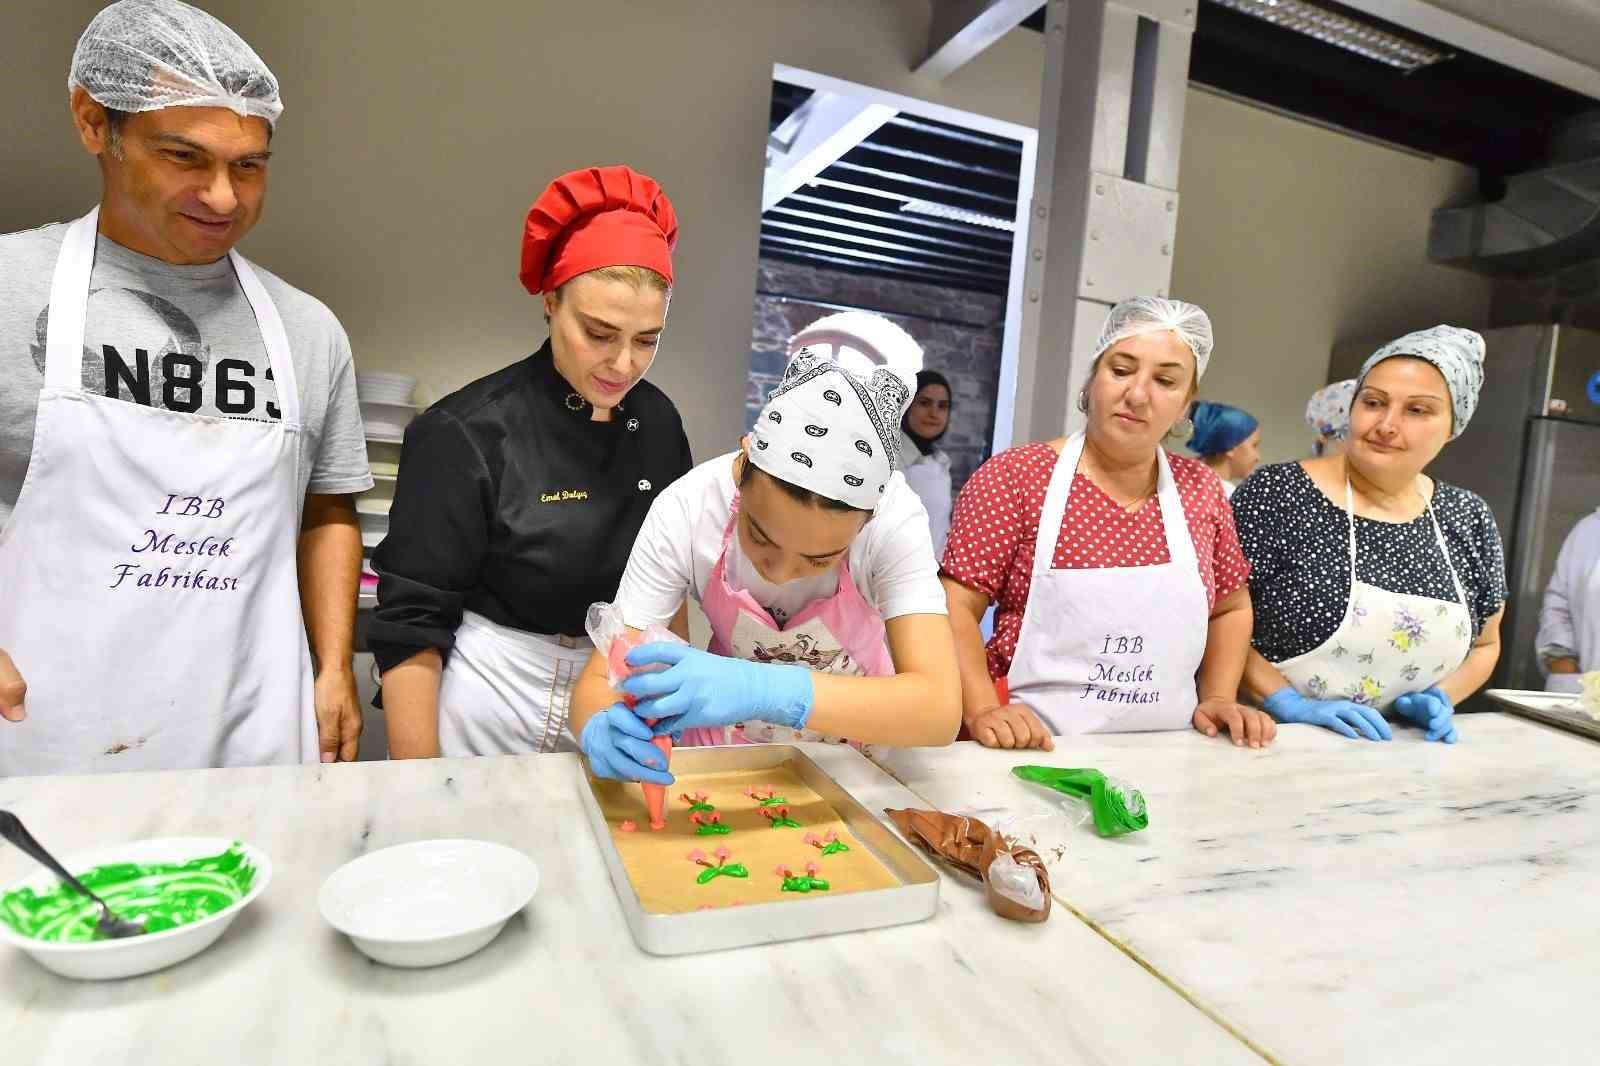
(664, 877)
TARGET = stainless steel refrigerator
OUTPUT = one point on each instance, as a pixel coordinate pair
(1539, 470)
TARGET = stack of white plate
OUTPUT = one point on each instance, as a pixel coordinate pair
(386, 406)
(374, 386)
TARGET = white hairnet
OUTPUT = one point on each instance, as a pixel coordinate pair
(1155, 314)
(141, 55)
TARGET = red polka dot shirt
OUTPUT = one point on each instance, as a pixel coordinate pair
(996, 523)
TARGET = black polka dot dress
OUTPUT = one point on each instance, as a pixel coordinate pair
(1298, 544)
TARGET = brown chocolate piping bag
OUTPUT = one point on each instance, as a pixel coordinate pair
(971, 846)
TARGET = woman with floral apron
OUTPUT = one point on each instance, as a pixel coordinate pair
(1389, 600)
(811, 558)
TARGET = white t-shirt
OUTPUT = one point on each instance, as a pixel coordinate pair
(891, 560)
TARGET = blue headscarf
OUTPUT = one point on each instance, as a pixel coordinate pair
(1219, 428)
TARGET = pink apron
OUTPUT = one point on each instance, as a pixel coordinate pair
(838, 635)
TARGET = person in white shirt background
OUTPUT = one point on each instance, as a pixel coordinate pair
(926, 465)
(811, 559)
(1569, 621)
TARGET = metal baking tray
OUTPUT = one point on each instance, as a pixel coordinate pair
(1559, 709)
(914, 899)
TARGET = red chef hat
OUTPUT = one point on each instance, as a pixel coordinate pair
(599, 217)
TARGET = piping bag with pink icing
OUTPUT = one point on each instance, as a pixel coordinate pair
(605, 627)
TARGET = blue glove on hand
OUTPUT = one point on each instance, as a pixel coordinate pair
(1341, 716)
(617, 743)
(701, 689)
(1432, 710)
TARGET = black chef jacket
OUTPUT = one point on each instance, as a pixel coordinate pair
(514, 504)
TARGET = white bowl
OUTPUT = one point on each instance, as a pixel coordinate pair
(428, 903)
(99, 960)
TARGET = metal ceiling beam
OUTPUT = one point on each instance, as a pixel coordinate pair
(935, 129)
(961, 29)
(1001, 256)
(938, 161)
(1433, 18)
(905, 264)
(925, 183)
(921, 256)
(814, 137)
(856, 267)
(967, 229)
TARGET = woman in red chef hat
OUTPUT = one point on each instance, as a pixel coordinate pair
(519, 496)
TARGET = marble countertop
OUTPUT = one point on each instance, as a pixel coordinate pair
(1337, 901)
(564, 982)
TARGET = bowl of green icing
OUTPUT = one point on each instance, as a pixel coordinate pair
(188, 890)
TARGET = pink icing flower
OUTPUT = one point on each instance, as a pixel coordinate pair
(694, 819)
(830, 837)
(783, 871)
(811, 869)
(814, 840)
(697, 856)
(627, 825)
(722, 854)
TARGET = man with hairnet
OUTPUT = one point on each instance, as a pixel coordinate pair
(179, 438)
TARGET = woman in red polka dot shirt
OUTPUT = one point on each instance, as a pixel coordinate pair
(1133, 614)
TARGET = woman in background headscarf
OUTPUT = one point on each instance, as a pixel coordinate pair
(1328, 415)
(1226, 439)
(1114, 567)
(1376, 587)
(925, 465)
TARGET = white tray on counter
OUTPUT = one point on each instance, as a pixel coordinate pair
(1560, 709)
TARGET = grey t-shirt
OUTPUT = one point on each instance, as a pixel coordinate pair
(181, 338)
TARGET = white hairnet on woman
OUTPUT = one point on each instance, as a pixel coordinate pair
(142, 55)
(1154, 314)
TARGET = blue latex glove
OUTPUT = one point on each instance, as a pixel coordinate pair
(1432, 710)
(617, 743)
(1341, 716)
(701, 689)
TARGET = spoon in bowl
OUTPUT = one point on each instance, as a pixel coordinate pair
(108, 925)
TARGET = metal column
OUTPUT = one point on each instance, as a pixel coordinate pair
(1104, 212)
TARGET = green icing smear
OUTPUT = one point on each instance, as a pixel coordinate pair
(166, 895)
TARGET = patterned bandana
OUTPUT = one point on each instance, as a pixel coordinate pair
(826, 430)
(1458, 355)
(1328, 410)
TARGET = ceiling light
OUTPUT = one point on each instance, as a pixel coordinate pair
(1341, 31)
(957, 214)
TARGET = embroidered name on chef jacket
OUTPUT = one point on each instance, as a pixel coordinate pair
(563, 495)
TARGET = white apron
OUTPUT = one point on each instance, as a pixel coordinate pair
(506, 691)
(1113, 650)
(150, 590)
(1389, 643)
(929, 478)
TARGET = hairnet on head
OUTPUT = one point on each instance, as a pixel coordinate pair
(142, 55)
(1455, 352)
(1156, 314)
(1328, 410)
(1219, 428)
